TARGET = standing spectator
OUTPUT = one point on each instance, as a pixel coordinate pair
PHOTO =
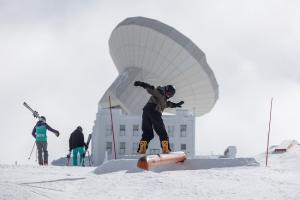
(76, 144)
(39, 132)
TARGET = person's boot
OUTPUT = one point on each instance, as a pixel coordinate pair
(143, 145)
(165, 146)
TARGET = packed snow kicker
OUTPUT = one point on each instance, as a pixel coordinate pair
(121, 179)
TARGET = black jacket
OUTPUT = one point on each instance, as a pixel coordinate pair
(76, 139)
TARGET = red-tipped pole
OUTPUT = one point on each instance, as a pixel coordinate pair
(269, 132)
(112, 128)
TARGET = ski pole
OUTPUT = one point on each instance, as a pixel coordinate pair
(68, 159)
(83, 158)
(91, 158)
(36, 155)
(31, 151)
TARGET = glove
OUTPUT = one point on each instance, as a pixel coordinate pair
(138, 83)
(179, 104)
(57, 134)
(68, 156)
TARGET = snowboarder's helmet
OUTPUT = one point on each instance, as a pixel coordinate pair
(169, 91)
(79, 128)
(43, 119)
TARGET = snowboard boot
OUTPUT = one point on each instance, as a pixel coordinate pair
(165, 146)
(143, 145)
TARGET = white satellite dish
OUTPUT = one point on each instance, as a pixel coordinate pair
(148, 50)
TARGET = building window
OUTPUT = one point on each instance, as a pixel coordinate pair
(135, 130)
(122, 130)
(134, 147)
(108, 130)
(171, 130)
(109, 147)
(154, 151)
(183, 147)
(122, 148)
(183, 131)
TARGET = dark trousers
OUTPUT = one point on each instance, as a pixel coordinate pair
(42, 148)
(152, 120)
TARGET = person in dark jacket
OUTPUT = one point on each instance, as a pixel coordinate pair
(77, 145)
(152, 112)
(39, 132)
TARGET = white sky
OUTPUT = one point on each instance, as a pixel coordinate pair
(54, 55)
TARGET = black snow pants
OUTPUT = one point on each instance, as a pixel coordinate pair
(152, 120)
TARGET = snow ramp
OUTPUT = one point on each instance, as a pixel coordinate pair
(129, 165)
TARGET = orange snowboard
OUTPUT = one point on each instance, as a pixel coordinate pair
(150, 161)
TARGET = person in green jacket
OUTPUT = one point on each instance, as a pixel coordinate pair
(39, 132)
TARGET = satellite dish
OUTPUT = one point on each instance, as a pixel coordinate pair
(148, 50)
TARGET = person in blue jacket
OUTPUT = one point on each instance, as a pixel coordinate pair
(39, 132)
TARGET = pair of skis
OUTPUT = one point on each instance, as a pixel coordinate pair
(87, 150)
(35, 113)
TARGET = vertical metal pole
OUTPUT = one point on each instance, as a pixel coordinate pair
(269, 132)
(112, 128)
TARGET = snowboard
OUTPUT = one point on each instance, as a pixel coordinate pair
(148, 162)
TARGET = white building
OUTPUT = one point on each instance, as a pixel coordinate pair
(147, 50)
(127, 133)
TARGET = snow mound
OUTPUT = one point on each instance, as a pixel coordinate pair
(129, 165)
(289, 160)
(60, 161)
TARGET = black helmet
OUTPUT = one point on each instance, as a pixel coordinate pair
(79, 128)
(43, 118)
(169, 91)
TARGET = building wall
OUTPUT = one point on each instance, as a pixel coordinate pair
(127, 132)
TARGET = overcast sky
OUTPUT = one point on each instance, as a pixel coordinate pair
(54, 55)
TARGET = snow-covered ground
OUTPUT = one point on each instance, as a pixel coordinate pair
(122, 180)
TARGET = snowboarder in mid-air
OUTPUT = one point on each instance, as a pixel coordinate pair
(152, 113)
(77, 145)
(39, 132)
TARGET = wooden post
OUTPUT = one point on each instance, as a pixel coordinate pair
(112, 128)
(269, 133)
